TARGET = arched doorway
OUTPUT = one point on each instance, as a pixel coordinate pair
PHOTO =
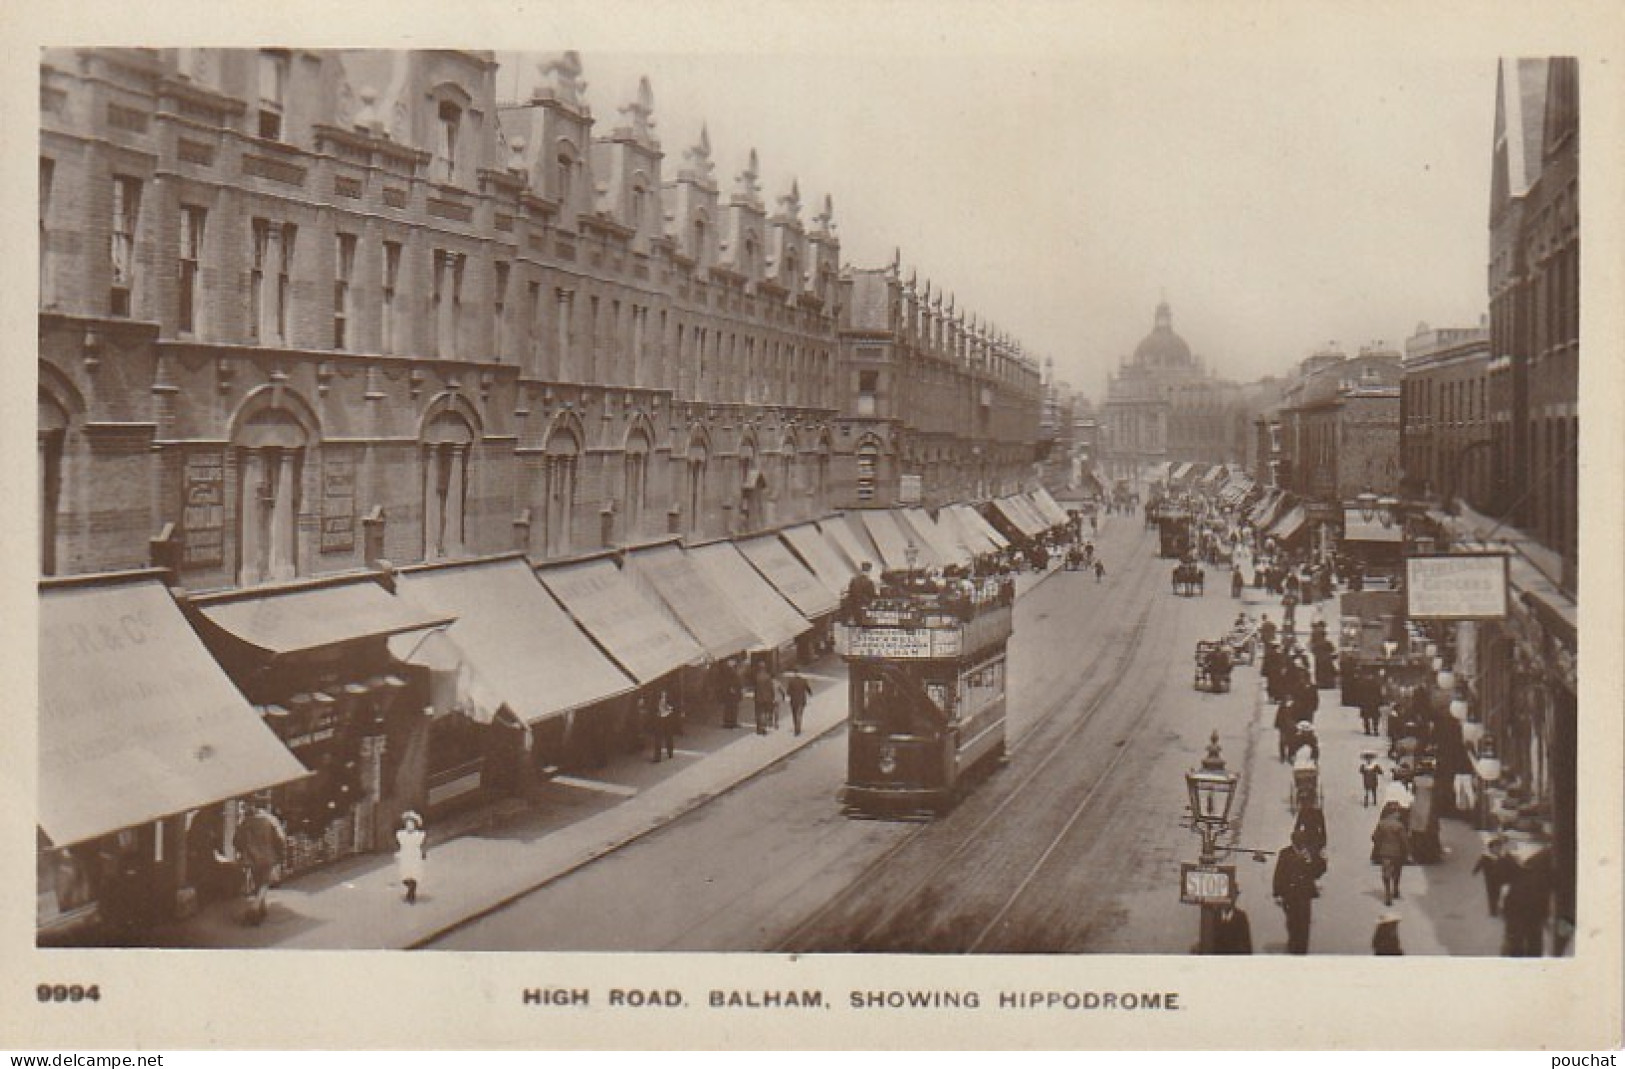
(563, 458)
(448, 443)
(271, 447)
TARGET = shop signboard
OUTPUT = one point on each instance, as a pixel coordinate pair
(1206, 885)
(338, 504)
(1459, 586)
(203, 517)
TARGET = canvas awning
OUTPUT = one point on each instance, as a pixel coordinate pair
(1289, 525)
(1027, 502)
(953, 526)
(516, 639)
(773, 620)
(136, 721)
(1214, 475)
(644, 640)
(1179, 473)
(303, 619)
(972, 518)
(1264, 511)
(944, 546)
(1018, 518)
(848, 536)
(789, 576)
(668, 573)
(892, 541)
(1049, 507)
(827, 562)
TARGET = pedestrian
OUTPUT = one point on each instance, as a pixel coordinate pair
(1528, 901)
(859, 593)
(1385, 939)
(1370, 708)
(1289, 611)
(1100, 569)
(1235, 581)
(1286, 729)
(262, 847)
(1294, 888)
(1232, 931)
(1390, 848)
(799, 691)
(1492, 862)
(1266, 630)
(780, 698)
(410, 853)
(1311, 827)
(665, 727)
(723, 683)
(1370, 777)
(762, 699)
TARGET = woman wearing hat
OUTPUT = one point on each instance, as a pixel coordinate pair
(410, 853)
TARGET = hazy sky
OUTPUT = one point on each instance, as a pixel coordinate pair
(1058, 182)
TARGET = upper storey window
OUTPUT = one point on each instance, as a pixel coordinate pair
(448, 121)
(126, 210)
(273, 72)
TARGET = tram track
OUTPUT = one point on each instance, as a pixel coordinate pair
(825, 929)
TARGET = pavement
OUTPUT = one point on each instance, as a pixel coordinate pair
(1442, 905)
(510, 848)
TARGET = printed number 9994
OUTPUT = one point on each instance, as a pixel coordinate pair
(68, 993)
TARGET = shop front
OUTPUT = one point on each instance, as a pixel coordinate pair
(531, 690)
(143, 744)
(315, 658)
(639, 635)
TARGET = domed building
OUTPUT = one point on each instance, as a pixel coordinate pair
(1163, 406)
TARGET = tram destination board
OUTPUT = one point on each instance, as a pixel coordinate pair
(1206, 885)
(903, 643)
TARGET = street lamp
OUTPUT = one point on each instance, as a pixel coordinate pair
(1212, 790)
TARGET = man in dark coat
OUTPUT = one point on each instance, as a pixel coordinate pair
(1294, 889)
(763, 697)
(799, 690)
(261, 846)
(859, 593)
(1232, 931)
(1528, 901)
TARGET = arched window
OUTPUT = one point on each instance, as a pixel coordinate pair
(270, 451)
(701, 237)
(450, 119)
(448, 444)
(635, 489)
(52, 434)
(868, 469)
(697, 467)
(564, 175)
(563, 453)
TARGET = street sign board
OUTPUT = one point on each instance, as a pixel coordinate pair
(1457, 586)
(1206, 885)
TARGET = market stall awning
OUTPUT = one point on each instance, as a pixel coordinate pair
(827, 562)
(972, 518)
(1289, 525)
(789, 576)
(522, 647)
(1214, 476)
(1179, 473)
(643, 639)
(1158, 472)
(944, 546)
(136, 720)
(847, 535)
(772, 619)
(668, 573)
(300, 619)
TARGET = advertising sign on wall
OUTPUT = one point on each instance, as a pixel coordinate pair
(203, 516)
(1457, 586)
(338, 504)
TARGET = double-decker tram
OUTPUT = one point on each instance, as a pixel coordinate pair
(927, 713)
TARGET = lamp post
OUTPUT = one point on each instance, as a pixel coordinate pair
(1212, 790)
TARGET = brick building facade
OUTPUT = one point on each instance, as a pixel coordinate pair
(1450, 441)
(301, 310)
(927, 390)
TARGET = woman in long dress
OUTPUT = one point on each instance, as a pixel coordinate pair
(410, 853)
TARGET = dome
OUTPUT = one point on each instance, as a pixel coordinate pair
(1162, 347)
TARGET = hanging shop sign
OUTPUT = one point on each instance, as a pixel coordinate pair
(203, 517)
(1457, 586)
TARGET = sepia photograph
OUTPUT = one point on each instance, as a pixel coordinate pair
(915, 513)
